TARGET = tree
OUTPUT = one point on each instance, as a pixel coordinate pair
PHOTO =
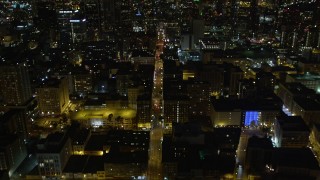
(110, 117)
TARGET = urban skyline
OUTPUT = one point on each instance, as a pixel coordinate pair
(160, 89)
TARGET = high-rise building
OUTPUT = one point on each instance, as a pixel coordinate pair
(53, 96)
(13, 122)
(15, 86)
(12, 152)
(72, 26)
(176, 109)
(82, 83)
(144, 111)
(133, 93)
(123, 81)
(199, 93)
(223, 78)
(99, 13)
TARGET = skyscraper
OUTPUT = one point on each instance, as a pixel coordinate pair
(15, 86)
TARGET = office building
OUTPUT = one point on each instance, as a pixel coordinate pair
(71, 23)
(176, 109)
(15, 86)
(83, 84)
(288, 91)
(291, 131)
(199, 94)
(308, 108)
(53, 96)
(258, 154)
(12, 152)
(223, 78)
(249, 112)
(53, 153)
(298, 163)
(123, 81)
(126, 164)
(311, 81)
(13, 122)
(144, 106)
(133, 93)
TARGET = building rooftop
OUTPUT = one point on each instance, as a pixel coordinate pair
(202, 157)
(295, 157)
(258, 104)
(144, 97)
(317, 126)
(4, 175)
(119, 140)
(53, 143)
(103, 113)
(292, 123)
(186, 129)
(80, 136)
(306, 76)
(95, 102)
(50, 83)
(96, 142)
(308, 104)
(128, 138)
(297, 88)
(226, 138)
(282, 68)
(55, 138)
(76, 164)
(126, 157)
(176, 98)
(256, 142)
(9, 115)
(94, 164)
(142, 53)
(6, 140)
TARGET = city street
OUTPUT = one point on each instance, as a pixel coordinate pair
(156, 134)
(155, 154)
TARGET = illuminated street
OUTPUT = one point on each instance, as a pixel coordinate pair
(156, 134)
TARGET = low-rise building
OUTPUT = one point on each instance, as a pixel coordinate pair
(122, 118)
(84, 167)
(116, 154)
(119, 165)
(258, 154)
(79, 141)
(53, 154)
(245, 112)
